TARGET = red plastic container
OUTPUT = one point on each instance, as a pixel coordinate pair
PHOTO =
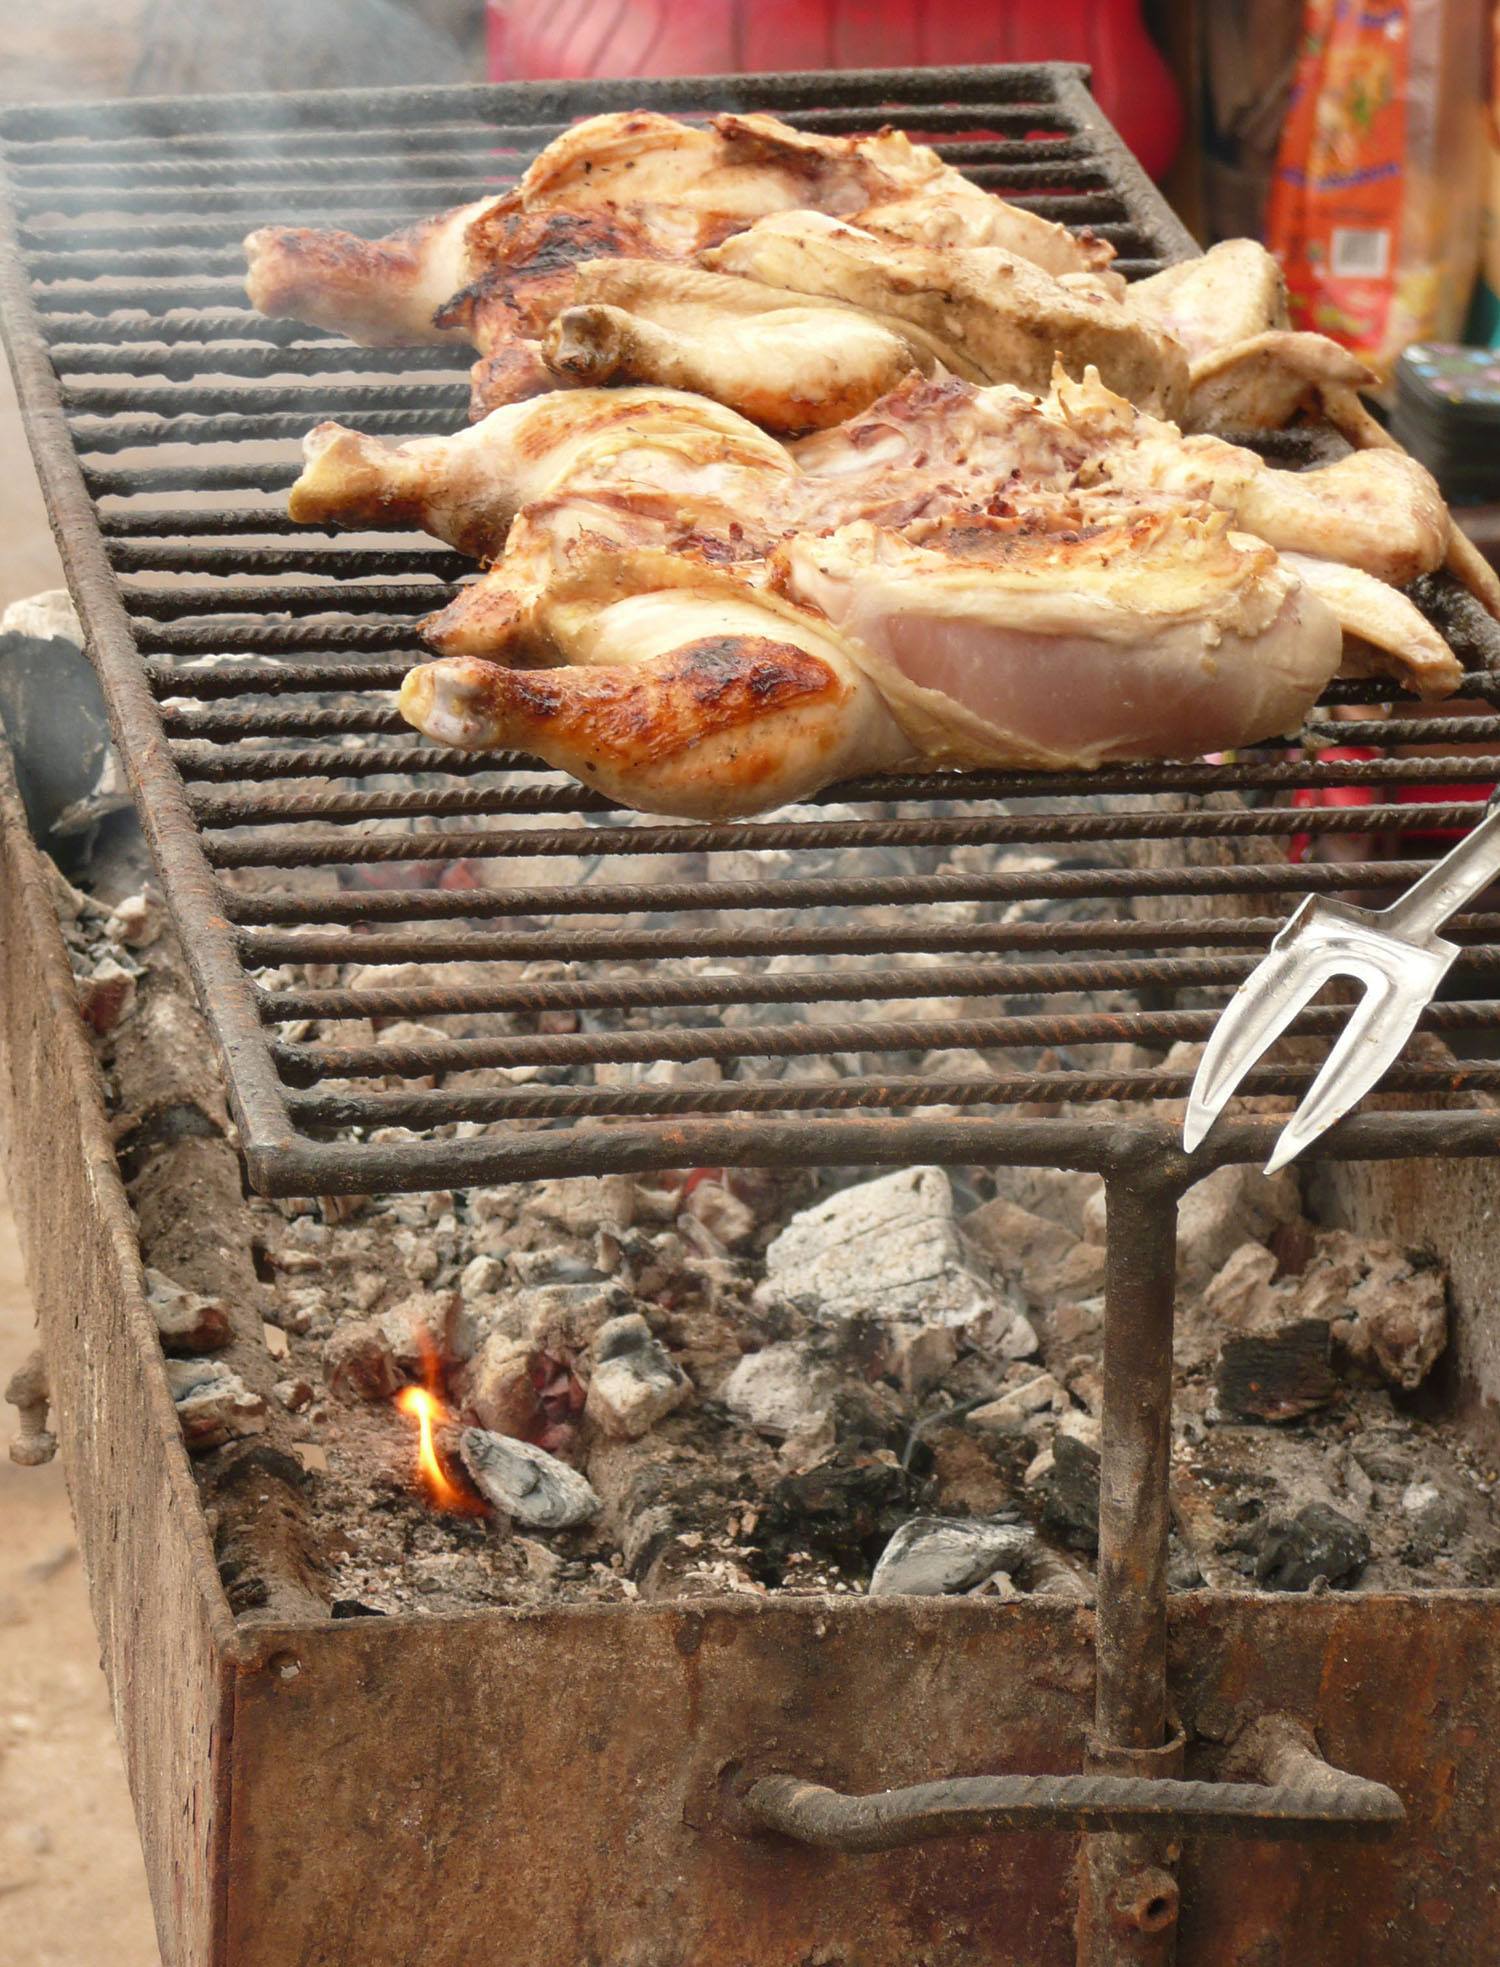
(568, 39)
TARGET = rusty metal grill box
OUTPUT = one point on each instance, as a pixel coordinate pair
(562, 1786)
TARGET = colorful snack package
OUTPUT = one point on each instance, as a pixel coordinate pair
(1374, 205)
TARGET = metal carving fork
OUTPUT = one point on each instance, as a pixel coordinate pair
(1394, 952)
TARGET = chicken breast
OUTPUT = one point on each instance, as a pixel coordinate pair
(981, 306)
(1073, 634)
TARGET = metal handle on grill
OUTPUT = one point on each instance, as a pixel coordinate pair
(1298, 1795)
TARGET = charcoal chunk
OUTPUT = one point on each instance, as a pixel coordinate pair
(1070, 1493)
(1318, 1542)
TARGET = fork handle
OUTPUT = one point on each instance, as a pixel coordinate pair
(1460, 875)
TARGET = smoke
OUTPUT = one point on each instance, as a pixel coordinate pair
(189, 47)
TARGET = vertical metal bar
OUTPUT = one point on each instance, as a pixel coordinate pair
(1127, 1909)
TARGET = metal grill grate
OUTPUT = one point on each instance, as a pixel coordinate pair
(980, 945)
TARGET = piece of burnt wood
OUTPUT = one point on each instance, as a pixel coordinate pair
(1276, 1375)
(186, 1189)
(166, 1635)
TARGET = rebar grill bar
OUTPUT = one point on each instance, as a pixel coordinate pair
(424, 966)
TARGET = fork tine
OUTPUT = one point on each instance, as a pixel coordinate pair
(1254, 1018)
(1378, 1027)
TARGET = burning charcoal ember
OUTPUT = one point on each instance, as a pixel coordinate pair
(137, 920)
(1069, 1487)
(563, 1318)
(582, 1204)
(429, 1328)
(1044, 1259)
(932, 1555)
(1319, 1542)
(187, 1321)
(635, 1381)
(1061, 1195)
(482, 1277)
(359, 1363)
(213, 1404)
(526, 1482)
(729, 1220)
(500, 1389)
(1394, 1320)
(107, 995)
(921, 1359)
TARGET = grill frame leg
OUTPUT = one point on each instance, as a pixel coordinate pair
(1128, 1900)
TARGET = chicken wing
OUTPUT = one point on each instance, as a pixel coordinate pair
(1385, 633)
(1247, 370)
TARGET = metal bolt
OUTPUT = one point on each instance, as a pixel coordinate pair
(29, 1394)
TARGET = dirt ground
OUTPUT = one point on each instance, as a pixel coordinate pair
(72, 1887)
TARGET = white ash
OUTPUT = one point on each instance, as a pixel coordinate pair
(187, 1321)
(930, 1556)
(635, 1382)
(890, 1250)
(213, 1404)
(780, 1390)
(525, 1482)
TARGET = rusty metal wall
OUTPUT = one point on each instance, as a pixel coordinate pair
(165, 1632)
(534, 1789)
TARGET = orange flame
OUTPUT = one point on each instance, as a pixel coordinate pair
(424, 1407)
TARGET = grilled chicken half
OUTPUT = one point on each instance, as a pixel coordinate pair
(1071, 634)
(633, 183)
(676, 472)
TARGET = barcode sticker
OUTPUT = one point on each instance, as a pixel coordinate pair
(1360, 253)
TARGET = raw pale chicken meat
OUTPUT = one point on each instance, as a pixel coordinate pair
(1077, 632)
